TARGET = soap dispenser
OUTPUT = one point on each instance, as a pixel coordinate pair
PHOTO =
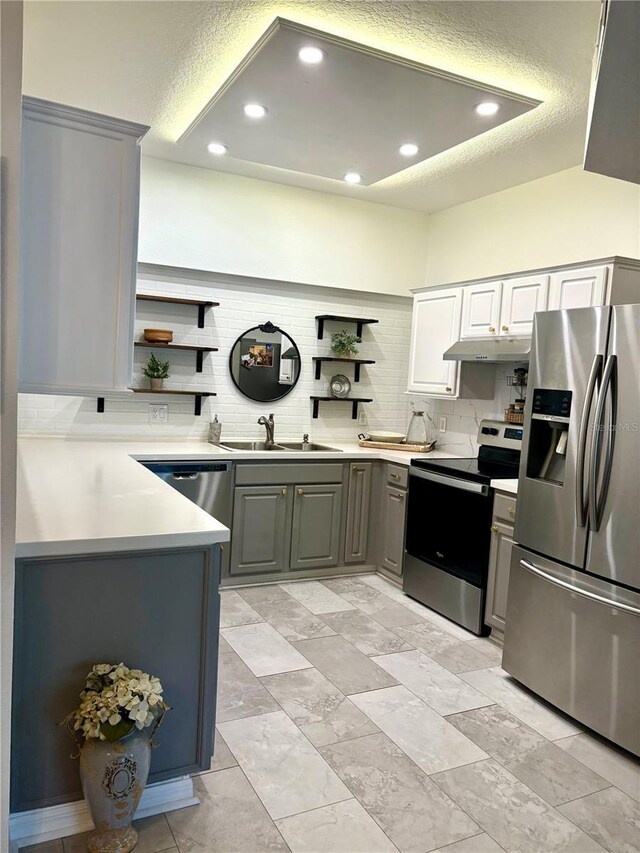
(215, 431)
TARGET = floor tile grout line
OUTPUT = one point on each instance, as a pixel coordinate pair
(581, 828)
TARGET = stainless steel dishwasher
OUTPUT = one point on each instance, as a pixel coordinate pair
(207, 484)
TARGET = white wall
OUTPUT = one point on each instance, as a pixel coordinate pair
(562, 218)
(244, 304)
(10, 108)
(202, 219)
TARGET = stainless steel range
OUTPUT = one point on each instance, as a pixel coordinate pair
(449, 525)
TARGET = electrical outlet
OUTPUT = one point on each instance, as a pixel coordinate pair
(442, 424)
(362, 418)
(158, 413)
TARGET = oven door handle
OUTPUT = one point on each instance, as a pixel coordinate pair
(453, 482)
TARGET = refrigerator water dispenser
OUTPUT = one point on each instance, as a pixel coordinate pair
(549, 435)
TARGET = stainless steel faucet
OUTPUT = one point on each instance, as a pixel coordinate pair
(269, 425)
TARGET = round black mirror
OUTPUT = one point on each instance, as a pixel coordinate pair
(265, 363)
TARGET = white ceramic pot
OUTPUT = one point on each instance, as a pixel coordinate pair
(113, 776)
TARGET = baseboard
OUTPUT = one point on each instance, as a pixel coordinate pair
(52, 822)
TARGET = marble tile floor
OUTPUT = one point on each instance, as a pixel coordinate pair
(353, 720)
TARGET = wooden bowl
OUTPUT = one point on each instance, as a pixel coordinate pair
(158, 336)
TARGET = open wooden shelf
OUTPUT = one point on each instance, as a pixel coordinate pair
(201, 304)
(318, 359)
(359, 321)
(197, 394)
(353, 400)
(200, 351)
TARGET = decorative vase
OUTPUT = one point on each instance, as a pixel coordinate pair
(113, 776)
(156, 384)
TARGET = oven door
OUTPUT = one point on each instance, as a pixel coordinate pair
(449, 524)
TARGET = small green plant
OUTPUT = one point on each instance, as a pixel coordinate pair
(156, 369)
(344, 345)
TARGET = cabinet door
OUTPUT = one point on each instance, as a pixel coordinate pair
(481, 310)
(521, 298)
(436, 325)
(259, 530)
(315, 535)
(584, 288)
(498, 580)
(392, 522)
(79, 229)
(358, 502)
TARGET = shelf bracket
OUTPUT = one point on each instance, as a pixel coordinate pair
(356, 373)
(198, 405)
(315, 408)
(359, 329)
(100, 405)
(199, 355)
(201, 316)
(354, 410)
(318, 366)
(320, 330)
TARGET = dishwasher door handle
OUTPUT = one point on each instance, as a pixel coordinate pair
(185, 475)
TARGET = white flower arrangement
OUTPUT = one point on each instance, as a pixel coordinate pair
(115, 700)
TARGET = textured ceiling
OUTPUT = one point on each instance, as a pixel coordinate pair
(160, 63)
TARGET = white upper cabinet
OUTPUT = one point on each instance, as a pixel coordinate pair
(521, 298)
(579, 288)
(481, 310)
(79, 230)
(436, 325)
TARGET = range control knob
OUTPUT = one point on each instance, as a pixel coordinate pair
(489, 431)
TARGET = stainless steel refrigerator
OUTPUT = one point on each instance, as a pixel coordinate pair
(573, 614)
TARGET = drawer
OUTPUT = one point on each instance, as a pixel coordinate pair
(397, 475)
(270, 474)
(504, 507)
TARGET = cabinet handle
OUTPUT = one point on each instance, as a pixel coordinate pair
(505, 328)
(400, 496)
(284, 491)
(394, 476)
(511, 510)
(494, 529)
(355, 468)
(301, 491)
(447, 388)
(492, 329)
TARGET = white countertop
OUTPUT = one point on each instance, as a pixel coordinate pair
(510, 486)
(78, 497)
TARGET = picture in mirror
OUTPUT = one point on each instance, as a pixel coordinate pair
(265, 363)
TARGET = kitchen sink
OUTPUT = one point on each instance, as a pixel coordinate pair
(251, 445)
(287, 445)
(299, 445)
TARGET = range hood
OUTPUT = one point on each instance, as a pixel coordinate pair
(491, 350)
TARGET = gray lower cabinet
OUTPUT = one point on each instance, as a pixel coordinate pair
(315, 535)
(261, 521)
(392, 524)
(358, 504)
(500, 562)
(157, 610)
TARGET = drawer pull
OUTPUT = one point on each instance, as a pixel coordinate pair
(511, 510)
(284, 491)
(394, 476)
(494, 529)
(356, 468)
(400, 496)
(301, 491)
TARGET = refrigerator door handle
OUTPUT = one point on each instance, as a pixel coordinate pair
(581, 503)
(596, 502)
(600, 599)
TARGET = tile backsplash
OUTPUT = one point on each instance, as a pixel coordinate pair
(244, 303)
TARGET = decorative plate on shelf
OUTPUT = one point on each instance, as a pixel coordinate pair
(339, 386)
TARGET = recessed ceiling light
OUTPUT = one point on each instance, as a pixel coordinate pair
(408, 149)
(353, 178)
(311, 55)
(487, 108)
(216, 148)
(255, 110)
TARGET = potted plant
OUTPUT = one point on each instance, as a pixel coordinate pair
(344, 345)
(116, 706)
(157, 371)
